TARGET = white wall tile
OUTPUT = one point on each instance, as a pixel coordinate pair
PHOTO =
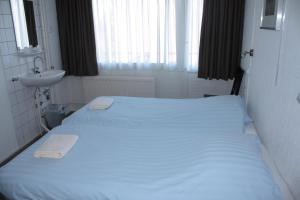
(37, 22)
(13, 99)
(3, 48)
(18, 86)
(12, 47)
(17, 118)
(10, 86)
(10, 34)
(5, 7)
(31, 115)
(28, 136)
(20, 136)
(7, 61)
(2, 21)
(21, 98)
(7, 21)
(8, 74)
(2, 35)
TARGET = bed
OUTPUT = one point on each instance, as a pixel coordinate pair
(147, 148)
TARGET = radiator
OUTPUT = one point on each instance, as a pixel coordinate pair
(199, 87)
(118, 86)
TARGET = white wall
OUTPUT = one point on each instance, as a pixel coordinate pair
(167, 85)
(272, 99)
(8, 140)
(21, 98)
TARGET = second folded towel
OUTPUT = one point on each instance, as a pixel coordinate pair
(101, 103)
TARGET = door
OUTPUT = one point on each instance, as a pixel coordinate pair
(249, 34)
(8, 141)
(248, 43)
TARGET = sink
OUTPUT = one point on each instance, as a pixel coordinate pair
(42, 79)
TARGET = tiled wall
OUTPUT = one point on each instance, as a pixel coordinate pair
(21, 98)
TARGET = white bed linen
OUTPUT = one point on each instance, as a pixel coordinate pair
(196, 155)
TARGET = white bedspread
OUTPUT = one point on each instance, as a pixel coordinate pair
(149, 154)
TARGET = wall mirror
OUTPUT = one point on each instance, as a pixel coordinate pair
(24, 23)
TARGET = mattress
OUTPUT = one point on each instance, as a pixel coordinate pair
(148, 149)
(217, 114)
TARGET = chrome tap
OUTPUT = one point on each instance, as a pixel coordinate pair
(36, 69)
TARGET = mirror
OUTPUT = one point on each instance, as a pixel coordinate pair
(24, 23)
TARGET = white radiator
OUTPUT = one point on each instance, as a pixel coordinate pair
(198, 87)
(118, 86)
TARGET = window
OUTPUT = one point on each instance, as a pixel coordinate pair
(147, 33)
(193, 32)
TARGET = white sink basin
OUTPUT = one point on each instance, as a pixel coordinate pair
(42, 79)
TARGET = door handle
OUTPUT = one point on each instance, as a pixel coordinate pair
(250, 52)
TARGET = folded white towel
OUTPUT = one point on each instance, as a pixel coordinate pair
(101, 103)
(56, 146)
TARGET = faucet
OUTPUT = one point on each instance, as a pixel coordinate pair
(35, 68)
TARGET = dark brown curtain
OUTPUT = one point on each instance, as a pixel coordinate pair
(77, 37)
(30, 22)
(221, 38)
